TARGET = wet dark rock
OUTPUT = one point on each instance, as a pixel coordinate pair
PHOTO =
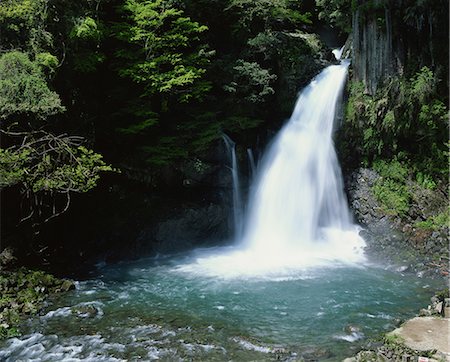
(439, 307)
(315, 354)
(397, 240)
(86, 311)
(193, 226)
(352, 329)
(424, 312)
(67, 285)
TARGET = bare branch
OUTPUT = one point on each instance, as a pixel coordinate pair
(62, 211)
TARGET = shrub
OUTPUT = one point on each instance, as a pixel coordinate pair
(393, 195)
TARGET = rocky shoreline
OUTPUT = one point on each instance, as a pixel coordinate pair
(24, 293)
(407, 243)
(424, 338)
(403, 241)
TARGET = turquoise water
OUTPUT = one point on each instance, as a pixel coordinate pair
(150, 309)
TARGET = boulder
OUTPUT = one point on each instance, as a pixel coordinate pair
(7, 258)
(439, 307)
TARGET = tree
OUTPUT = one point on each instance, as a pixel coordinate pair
(165, 54)
(23, 24)
(162, 54)
(23, 89)
(252, 83)
(337, 13)
(261, 15)
(45, 167)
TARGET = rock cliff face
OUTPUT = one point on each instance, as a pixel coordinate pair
(392, 37)
(373, 53)
(396, 240)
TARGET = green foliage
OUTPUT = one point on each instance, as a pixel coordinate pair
(206, 136)
(236, 123)
(251, 82)
(22, 293)
(85, 29)
(12, 166)
(168, 57)
(164, 57)
(391, 189)
(164, 152)
(51, 164)
(87, 62)
(85, 38)
(141, 126)
(444, 293)
(180, 99)
(405, 115)
(272, 46)
(425, 180)
(393, 339)
(432, 116)
(6, 332)
(394, 170)
(436, 222)
(48, 62)
(394, 196)
(41, 165)
(23, 88)
(80, 177)
(261, 15)
(336, 13)
(312, 41)
(23, 22)
(266, 43)
(423, 85)
(395, 344)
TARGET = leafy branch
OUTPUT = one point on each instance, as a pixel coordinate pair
(48, 168)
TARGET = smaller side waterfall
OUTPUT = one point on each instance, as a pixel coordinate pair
(251, 163)
(237, 200)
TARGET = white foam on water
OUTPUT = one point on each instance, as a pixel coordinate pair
(251, 346)
(60, 312)
(39, 347)
(352, 337)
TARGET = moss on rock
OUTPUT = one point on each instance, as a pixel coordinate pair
(23, 293)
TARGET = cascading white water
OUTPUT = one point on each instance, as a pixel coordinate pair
(237, 200)
(338, 52)
(298, 215)
(251, 163)
(299, 191)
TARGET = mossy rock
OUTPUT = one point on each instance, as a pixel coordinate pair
(23, 294)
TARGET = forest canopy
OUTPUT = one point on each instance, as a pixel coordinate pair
(138, 86)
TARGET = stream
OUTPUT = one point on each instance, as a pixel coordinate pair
(153, 310)
(294, 286)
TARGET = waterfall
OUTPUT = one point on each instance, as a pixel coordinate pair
(338, 52)
(237, 200)
(251, 163)
(297, 215)
(298, 194)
